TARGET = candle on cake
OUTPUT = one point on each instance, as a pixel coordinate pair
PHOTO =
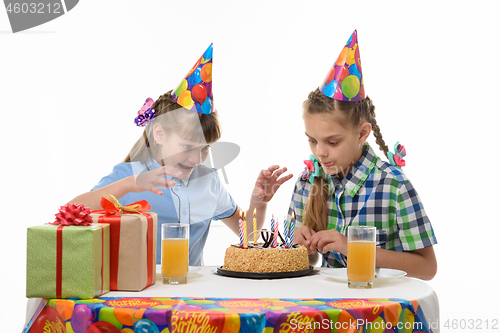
(245, 237)
(276, 230)
(286, 232)
(240, 227)
(272, 230)
(254, 227)
(292, 228)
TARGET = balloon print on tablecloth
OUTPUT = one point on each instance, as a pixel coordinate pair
(107, 314)
(302, 321)
(232, 323)
(158, 316)
(102, 327)
(359, 309)
(392, 311)
(145, 326)
(344, 81)
(128, 316)
(251, 323)
(195, 90)
(82, 318)
(126, 330)
(48, 321)
(65, 308)
(377, 325)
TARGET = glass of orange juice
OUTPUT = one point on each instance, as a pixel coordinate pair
(174, 252)
(361, 256)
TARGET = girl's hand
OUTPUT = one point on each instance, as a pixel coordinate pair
(268, 183)
(303, 236)
(149, 181)
(327, 240)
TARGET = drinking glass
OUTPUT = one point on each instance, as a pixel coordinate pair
(174, 252)
(361, 256)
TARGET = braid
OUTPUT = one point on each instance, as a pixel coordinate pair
(317, 102)
(376, 129)
(163, 102)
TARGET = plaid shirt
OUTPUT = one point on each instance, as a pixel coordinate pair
(373, 193)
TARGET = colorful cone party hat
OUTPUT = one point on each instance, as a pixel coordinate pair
(344, 81)
(195, 90)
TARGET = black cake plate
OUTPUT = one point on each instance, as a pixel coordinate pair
(277, 275)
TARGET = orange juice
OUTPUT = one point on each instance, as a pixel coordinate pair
(174, 257)
(360, 261)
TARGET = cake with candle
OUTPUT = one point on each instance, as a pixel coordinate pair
(270, 256)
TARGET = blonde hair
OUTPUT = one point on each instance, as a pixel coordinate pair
(180, 122)
(315, 215)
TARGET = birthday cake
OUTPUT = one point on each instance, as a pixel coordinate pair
(264, 258)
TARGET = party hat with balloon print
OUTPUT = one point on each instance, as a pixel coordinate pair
(195, 90)
(344, 81)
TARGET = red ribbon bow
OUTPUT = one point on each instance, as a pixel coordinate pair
(112, 207)
(73, 214)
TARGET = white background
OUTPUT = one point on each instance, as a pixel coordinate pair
(70, 89)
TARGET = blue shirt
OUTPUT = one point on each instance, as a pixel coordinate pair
(373, 193)
(197, 200)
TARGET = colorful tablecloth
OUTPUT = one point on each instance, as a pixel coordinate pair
(228, 315)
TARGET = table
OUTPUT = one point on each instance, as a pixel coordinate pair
(203, 282)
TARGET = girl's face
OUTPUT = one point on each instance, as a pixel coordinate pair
(181, 153)
(336, 145)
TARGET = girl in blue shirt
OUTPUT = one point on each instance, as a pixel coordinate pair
(175, 143)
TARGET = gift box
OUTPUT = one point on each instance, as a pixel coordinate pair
(67, 261)
(132, 244)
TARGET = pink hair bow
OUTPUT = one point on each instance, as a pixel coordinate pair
(396, 158)
(311, 169)
(146, 113)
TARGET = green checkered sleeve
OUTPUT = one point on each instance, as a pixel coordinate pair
(415, 230)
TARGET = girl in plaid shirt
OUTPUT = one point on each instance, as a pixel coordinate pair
(345, 183)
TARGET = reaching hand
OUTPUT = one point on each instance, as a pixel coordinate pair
(149, 181)
(303, 235)
(268, 182)
(327, 240)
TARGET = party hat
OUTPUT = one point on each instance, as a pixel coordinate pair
(344, 81)
(195, 90)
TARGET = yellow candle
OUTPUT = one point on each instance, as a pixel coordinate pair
(245, 238)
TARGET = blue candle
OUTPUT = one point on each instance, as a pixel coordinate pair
(292, 228)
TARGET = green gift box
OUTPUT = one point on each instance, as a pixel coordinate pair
(67, 261)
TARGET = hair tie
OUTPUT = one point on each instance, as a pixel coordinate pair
(312, 169)
(396, 158)
(146, 113)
